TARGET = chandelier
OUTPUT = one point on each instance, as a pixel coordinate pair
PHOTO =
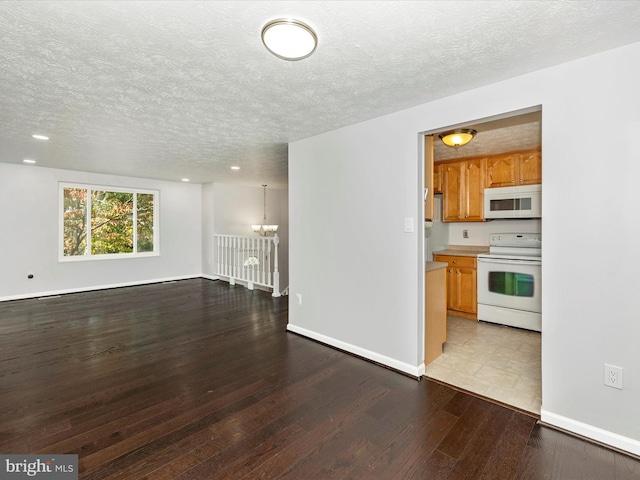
(264, 229)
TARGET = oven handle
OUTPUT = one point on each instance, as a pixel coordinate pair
(509, 262)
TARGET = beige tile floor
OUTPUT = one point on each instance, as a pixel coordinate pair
(494, 361)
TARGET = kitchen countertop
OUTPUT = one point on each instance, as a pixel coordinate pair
(428, 266)
(463, 251)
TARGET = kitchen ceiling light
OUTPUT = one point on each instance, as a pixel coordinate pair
(289, 39)
(27, 160)
(457, 138)
(235, 168)
(40, 137)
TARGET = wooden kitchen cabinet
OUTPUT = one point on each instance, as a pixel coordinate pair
(462, 278)
(463, 190)
(531, 168)
(502, 170)
(452, 183)
(437, 178)
(515, 168)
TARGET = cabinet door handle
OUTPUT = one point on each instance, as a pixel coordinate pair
(513, 181)
(453, 261)
(521, 180)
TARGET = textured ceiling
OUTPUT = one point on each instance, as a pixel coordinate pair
(504, 135)
(186, 89)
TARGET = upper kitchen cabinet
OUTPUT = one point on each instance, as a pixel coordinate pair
(437, 178)
(514, 168)
(463, 190)
(531, 168)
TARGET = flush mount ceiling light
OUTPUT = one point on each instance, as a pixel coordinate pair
(458, 137)
(40, 137)
(289, 39)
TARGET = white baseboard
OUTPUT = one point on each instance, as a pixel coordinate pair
(25, 296)
(589, 431)
(210, 277)
(414, 371)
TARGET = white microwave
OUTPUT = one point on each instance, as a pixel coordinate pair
(513, 202)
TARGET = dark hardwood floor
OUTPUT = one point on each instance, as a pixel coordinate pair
(196, 380)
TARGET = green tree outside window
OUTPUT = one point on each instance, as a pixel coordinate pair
(120, 222)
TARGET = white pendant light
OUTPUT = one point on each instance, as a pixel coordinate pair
(289, 39)
(264, 229)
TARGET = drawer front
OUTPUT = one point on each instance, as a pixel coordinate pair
(456, 261)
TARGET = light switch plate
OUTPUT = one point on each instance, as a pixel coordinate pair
(408, 225)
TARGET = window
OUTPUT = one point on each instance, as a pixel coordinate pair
(105, 222)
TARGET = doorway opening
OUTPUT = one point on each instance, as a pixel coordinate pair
(499, 362)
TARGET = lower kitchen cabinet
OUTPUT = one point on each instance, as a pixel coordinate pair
(462, 297)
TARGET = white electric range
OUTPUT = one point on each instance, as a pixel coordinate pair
(509, 279)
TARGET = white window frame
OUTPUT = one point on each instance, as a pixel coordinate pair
(108, 256)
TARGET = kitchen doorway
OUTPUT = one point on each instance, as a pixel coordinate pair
(495, 361)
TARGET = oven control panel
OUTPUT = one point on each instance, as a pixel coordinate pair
(522, 240)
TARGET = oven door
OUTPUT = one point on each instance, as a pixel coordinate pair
(510, 283)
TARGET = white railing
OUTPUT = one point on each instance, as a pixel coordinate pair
(253, 260)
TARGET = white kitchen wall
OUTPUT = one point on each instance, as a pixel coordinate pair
(436, 237)
(29, 236)
(361, 278)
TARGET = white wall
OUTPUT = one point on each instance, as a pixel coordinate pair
(436, 236)
(29, 238)
(208, 267)
(361, 276)
(232, 209)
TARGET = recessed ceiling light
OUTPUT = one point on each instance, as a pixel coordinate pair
(289, 39)
(185, 179)
(27, 160)
(235, 168)
(40, 137)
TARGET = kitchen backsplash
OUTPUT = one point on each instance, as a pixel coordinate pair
(441, 234)
(478, 233)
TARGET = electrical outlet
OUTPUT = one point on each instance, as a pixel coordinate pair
(613, 376)
(299, 298)
(465, 233)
